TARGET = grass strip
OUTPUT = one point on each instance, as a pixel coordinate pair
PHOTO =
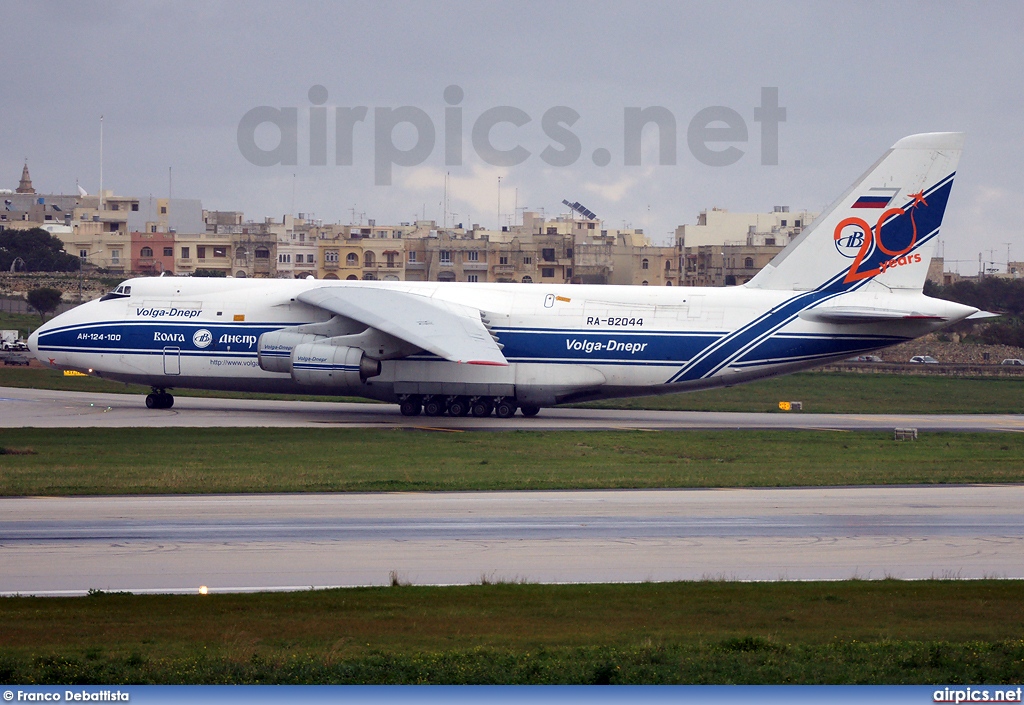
(697, 632)
(96, 461)
(820, 392)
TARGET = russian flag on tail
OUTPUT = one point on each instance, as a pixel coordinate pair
(876, 198)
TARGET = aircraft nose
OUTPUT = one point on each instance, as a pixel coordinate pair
(33, 343)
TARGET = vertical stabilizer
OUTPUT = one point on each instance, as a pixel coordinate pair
(884, 229)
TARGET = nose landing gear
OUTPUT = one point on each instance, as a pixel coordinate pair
(159, 399)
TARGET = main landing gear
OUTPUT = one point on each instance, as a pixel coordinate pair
(440, 405)
(159, 399)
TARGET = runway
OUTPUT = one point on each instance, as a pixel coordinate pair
(65, 546)
(42, 408)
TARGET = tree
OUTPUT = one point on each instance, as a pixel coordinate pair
(209, 273)
(40, 251)
(44, 300)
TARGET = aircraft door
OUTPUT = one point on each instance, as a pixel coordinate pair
(172, 361)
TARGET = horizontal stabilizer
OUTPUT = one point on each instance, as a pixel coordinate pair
(858, 314)
(452, 331)
(982, 315)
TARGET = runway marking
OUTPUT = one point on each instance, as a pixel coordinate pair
(437, 428)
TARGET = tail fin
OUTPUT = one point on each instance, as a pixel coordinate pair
(883, 229)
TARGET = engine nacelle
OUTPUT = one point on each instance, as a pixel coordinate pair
(334, 366)
(274, 349)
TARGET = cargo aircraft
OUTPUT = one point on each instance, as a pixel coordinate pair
(849, 283)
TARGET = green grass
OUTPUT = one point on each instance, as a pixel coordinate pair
(820, 392)
(24, 322)
(151, 461)
(849, 393)
(702, 632)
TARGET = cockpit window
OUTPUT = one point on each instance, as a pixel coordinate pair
(122, 291)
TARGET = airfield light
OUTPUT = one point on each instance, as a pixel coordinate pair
(203, 590)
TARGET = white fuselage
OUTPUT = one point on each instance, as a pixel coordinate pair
(562, 342)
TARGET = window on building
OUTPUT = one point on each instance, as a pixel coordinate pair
(502, 259)
(527, 280)
(552, 231)
(590, 226)
(412, 257)
(783, 223)
(446, 256)
(284, 258)
(163, 210)
(241, 254)
(262, 253)
(201, 252)
(330, 256)
(547, 272)
(769, 241)
(568, 272)
(83, 253)
(390, 258)
(220, 252)
(115, 207)
(527, 260)
(645, 264)
(113, 227)
(135, 206)
(351, 259)
(748, 263)
(473, 256)
(472, 278)
(299, 259)
(548, 254)
(115, 256)
(185, 254)
(643, 283)
(146, 252)
(152, 228)
(368, 259)
(568, 253)
(168, 252)
(796, 223)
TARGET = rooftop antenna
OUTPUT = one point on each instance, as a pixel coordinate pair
(101, 162)
(293, 193)
(170, 195)
(499, 203)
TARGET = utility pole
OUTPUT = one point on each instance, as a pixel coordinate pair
(499, 203)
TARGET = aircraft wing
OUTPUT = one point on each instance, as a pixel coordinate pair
(452, 331)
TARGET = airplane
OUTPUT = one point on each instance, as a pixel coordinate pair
(850, 283)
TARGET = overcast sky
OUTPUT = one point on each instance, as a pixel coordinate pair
(173, 81)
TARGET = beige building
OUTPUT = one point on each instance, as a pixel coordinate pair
(721, 227)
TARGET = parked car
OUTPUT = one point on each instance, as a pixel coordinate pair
(1016, 361)
(867, 358)
(924, 360)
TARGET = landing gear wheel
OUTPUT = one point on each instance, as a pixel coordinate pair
(159, 400)
(411, 406)
(529, 410)
(459, 406)
(482, 407)
(505, 408)
(434, 406)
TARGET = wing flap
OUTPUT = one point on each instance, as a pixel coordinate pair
(449, 330)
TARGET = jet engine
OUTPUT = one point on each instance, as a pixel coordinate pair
(335, 366)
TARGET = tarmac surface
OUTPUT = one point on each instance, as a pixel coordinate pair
(44, 408)
(239, 543)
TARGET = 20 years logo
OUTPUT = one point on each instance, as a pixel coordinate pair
(855, 238)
